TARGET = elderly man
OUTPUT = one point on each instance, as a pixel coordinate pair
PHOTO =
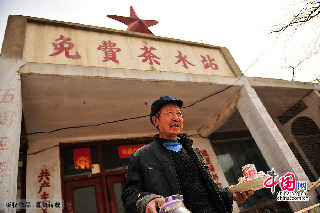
(169, 165)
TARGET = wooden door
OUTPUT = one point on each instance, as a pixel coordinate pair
(84, 196)
(115, 188)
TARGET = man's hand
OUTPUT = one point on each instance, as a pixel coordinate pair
(154, 204)
(241, 197)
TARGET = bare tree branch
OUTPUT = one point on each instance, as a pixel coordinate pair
(307, 13)
(299, 63)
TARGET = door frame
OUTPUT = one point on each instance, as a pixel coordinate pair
(111, 179)
(103, 174)
(96, 182)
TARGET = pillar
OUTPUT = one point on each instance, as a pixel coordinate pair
(10, 128)
(269, 139)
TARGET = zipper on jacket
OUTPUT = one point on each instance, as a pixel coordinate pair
(174, 169)
(171, 163)
(175, 173)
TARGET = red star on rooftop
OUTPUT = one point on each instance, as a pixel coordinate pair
(134, 23)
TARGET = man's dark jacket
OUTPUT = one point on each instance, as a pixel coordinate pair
(151, 171)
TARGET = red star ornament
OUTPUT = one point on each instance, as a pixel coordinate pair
(134, 23)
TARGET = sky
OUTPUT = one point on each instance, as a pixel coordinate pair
(242, 26)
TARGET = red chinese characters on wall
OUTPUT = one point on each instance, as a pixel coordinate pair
(183, 59)
(211, 168)
(208, 62)
(149, 56)
(4, 170)
(63, 44)
(260, 130)
(7, 96)
(44, 180)
(3, 143)
(110, 51)
(6, 118)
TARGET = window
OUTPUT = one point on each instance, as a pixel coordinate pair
(111, 158)
(307, 134)
(238, 150)
(103, 182)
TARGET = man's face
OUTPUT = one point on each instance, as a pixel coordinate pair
(170, 121)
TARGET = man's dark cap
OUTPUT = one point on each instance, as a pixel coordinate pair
(163, 100)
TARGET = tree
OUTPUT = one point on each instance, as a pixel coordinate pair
(305, 12)
(310, 10)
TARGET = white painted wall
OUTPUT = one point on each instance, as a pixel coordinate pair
(10, 128)
(48, 159)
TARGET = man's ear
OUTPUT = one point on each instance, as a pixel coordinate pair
(155, 121)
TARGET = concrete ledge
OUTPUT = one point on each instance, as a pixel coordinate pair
(128, 74)
(279, 83)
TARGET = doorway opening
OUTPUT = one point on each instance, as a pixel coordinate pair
(93, 181)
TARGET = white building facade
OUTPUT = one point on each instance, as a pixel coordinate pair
(68, 88)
